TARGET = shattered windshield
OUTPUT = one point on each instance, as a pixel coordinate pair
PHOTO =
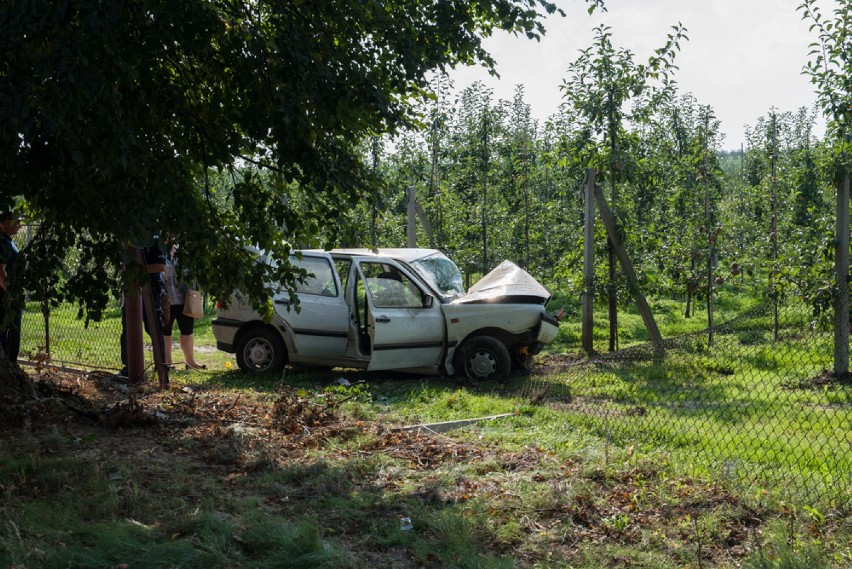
(442, 274)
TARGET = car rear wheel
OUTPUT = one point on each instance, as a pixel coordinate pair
(483, 358)
(261, 350)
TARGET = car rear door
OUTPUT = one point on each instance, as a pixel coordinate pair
(405, 324)
(319, 328)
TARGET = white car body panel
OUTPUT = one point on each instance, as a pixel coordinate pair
(318, 328)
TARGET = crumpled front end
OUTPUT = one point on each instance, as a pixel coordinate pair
(506, 284)
(507, 304)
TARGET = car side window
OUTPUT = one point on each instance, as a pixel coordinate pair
(389, 288)
(320, 279)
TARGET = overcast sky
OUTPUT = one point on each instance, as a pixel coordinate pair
(743, 56)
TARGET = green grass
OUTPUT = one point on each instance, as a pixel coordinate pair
(538, 489)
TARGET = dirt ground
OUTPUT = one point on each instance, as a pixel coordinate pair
(235, 434)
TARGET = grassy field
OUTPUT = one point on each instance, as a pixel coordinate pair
(735, 454)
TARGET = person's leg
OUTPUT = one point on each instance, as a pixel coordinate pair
(167, 340)
(187, 345)
(13, 336)
(187, 340)
(168, 328)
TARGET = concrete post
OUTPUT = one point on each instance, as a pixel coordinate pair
(588, 262)
(411, 232)
(841, 263)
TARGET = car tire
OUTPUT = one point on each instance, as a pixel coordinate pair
(483, 358)
(260, 350)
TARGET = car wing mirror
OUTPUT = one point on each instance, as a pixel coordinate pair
(428, 300)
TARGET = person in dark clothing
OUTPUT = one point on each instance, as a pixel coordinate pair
(11, 308)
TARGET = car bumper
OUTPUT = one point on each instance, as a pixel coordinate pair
(225, 331)
(548, 329)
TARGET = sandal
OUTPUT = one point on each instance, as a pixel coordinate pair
(199, 366)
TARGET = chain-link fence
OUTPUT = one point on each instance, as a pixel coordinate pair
(58, 333)
(63, 337)
(763, 413)
(757, 405)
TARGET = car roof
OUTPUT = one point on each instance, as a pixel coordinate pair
(407, 255)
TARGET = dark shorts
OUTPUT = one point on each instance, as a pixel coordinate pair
(186, 324)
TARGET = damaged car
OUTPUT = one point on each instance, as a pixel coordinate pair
(393, 309)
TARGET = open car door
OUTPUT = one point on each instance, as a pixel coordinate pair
(405, 325)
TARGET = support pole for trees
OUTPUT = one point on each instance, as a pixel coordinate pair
(627, 266)
(841, 263)
(415, 212)
(612, 292)
(424, 221)
(711, 236)
(45, 313)
(773, 226)
(156, 332)
(588, 262)
(484, 209)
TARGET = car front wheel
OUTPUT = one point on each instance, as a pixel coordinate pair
(483, 358)
(261, 350)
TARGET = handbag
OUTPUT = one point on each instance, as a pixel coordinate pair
(192, 304)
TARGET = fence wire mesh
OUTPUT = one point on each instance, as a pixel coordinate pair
(757, 406)
(58, 333)
(764, 413)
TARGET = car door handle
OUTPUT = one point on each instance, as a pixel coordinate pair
(285, 302)
(382, 319)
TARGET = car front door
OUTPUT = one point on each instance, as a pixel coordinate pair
(405, 325)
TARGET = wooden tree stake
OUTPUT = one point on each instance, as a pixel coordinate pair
(627, 266)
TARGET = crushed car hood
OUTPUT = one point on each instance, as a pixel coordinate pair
(506, 284)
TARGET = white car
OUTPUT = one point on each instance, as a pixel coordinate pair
(400, 309)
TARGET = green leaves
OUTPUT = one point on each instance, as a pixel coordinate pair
(230, 123)
(830, 68)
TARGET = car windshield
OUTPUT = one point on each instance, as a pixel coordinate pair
(442, 274)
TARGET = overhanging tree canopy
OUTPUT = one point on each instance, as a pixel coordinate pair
(211, 119)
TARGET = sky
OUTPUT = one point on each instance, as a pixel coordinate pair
(743, 57)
